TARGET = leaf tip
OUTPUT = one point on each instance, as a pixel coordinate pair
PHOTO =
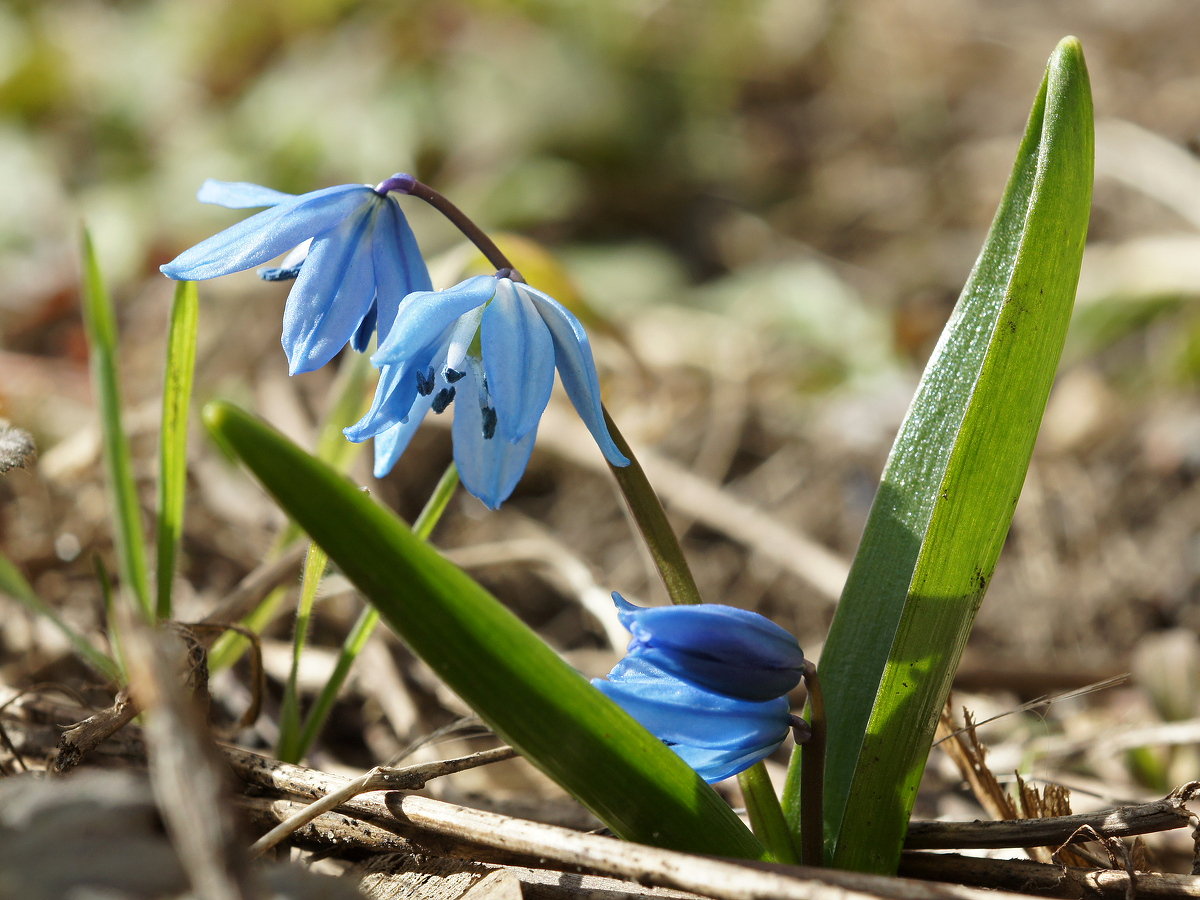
(1068, 54)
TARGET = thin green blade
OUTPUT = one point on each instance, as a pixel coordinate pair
(101, 327)
(953, 478)
(532, 699)
(172, 456)
(13, 583)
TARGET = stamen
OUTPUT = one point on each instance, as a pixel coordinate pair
(489, 422)
(453, 375)
(425, 383)
(279, 274)
(442, 400)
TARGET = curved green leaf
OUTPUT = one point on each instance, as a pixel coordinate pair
(532, 699)
(951, 483)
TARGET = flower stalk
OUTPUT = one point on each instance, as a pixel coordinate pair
(406, 184)
(812, 775)
(652, 521)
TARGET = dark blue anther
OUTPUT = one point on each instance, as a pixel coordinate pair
(489, 423)
(287, 274)
(425, 382)
(442, 400)
(453, 375)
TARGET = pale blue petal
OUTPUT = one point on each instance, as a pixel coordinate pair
(392, 443)
(715, 765)
(332, 295)
(396, 393)
(518, 357)
(424, 315)
(239, 194)
(399, 268)
(680, 712)
(265, 235)
(489, 467)
(573, 356)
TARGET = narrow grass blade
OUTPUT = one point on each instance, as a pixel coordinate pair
(13, 583)
(101, 327)
(172, 454)
(953, 478)
(364, 626)
(530, 697)
(288, 747)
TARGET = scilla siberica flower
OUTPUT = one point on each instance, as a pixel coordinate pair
(490, 345)
(362, 260)
(710, 681)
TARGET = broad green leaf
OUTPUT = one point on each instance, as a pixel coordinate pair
(172, 454)
(529, 696)
(101, 327)
(950, 485)
(364, 626)
(351, 399)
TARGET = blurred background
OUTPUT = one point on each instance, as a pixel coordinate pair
(769, 208)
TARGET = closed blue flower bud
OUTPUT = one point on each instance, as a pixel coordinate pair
(355, 259)
(717, 735)
(724, 649)
(489, 345)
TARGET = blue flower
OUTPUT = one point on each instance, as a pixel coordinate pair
(717, 735)
(362, 260)
(491, 345)
(721, 648)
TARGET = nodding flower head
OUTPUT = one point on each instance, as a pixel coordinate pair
(353, 258)
(721, 648)
(490, 345)
(711, 681)
(717, 735)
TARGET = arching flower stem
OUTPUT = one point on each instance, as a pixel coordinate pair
(652, 521)
(406, 184)
(762, 804)
(812, 774)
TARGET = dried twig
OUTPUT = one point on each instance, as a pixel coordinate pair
(381, 778)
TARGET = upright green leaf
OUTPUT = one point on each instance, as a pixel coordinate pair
(101, 327)
(951, 483)
(172, 455)
(521, 687)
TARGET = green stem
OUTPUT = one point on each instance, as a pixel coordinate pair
(766, 815)
(812, 775)
(369, 618)
(652, 521)
(288, 747)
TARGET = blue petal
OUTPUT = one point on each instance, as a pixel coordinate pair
(265, 235)
(392, 443)
(399, 267)
(680, 712)
(424, 315)
(396, 395)
(722, 648)
(489, 467)
(518, 357)
(573, 356)
(332, 295)
(717, 765)
(239, 194)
